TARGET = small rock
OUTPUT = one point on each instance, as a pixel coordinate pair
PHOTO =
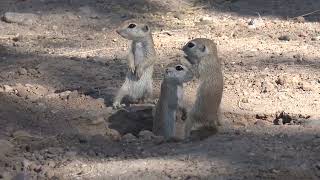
(33, 71)
(25, 164)
(178, 16)
(20, 18)
(305, 86)
(279, 121)
(114, 134)
(51, 164)
(245, 100)
(17, 38)
(281, 80)
(146, 135)
(49, 174)
(256, 23)
(65, 94)
(299, 19)
(298, 57)
(7, 88)
(284, 38)
(52, 95)
(129, 138)
(159, 139)
(83, 139)
(261, 116)
(204, 20)
(318, 165)
(22, 71)
(37, 169)
(254, 68)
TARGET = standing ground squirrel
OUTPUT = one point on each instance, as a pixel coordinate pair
(141, 58)
(170, 112)
(202, 54)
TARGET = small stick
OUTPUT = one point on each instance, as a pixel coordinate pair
(308, 13)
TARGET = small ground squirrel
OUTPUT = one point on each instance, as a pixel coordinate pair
(202, 54)
(170, 112)
(141, 58)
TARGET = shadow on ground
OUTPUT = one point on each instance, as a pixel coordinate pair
(128, 9)
(275, 8)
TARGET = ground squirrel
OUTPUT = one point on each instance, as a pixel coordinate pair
(141, 58)
(170, 111)
(202, 54)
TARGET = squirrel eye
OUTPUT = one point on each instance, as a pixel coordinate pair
(179, 68)
(131, 26)
(190, 45)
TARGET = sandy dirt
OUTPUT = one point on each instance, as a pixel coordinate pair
(61, 63)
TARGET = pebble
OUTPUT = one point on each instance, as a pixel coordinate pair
(299, 19)
(114, 134)
(20, 18)
(178, 16)
(7, 88)
(305, 86)
(129, 138)
(284, 38)
(261, 116)
(33, 71)
(146, 135)
(298, 57)
(49, 174)
(204, 21)
(65, 94)
(281, 80)
(245, 100)
(22, 71)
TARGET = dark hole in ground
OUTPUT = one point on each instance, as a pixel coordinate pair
(131, 120)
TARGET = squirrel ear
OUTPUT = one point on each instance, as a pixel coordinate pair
(145, 28)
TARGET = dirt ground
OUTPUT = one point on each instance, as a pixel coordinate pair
(62, 63)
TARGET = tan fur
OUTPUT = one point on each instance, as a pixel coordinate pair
(141, 58)
(206, 109)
